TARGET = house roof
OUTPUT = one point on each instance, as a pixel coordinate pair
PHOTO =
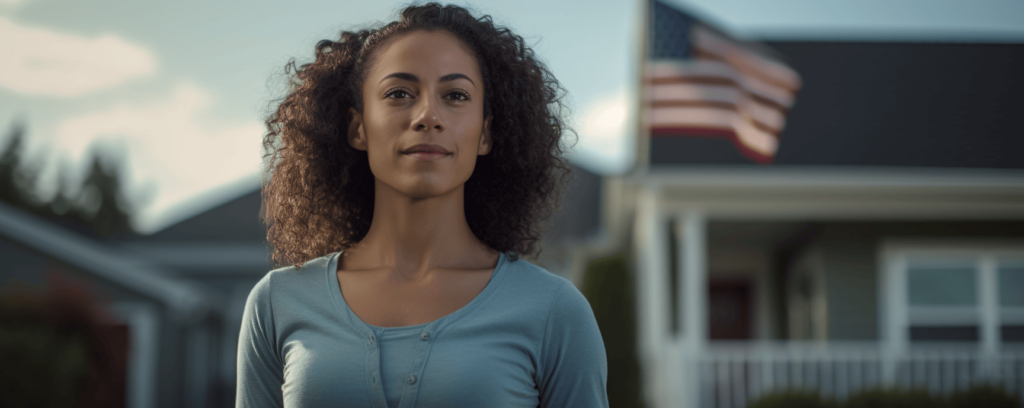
(580, 215)
(948, 105)
(236, 220)
(99, 260)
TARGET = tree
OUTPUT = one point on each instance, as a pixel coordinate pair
(99, 207)
(16, 177)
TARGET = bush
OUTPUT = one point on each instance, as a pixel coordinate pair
(988, 396)
(894, 398)
(793, 399)
(608, 286)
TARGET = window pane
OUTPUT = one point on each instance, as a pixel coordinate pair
(942, 286)
(1011, 286)
(1013, 333)
(944, 333)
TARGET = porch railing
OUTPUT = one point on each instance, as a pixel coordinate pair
(732, 375)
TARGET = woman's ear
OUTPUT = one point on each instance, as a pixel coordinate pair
(485, 139)
(356, 134)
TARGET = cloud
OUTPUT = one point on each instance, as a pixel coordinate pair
(42, 62)
(604, 144)
(170, 145)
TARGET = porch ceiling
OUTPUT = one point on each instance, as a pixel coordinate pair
(828, 193)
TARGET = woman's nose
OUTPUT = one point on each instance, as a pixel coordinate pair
(427, 116)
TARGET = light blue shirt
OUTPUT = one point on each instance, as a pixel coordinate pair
(529, 339)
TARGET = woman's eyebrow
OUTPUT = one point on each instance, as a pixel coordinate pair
(403, 76)
(452, 77)
(413, 78)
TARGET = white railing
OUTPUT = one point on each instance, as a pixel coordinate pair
(735, 374)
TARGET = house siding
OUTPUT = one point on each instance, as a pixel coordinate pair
(851, 285)
(23, 265)
(850, 262)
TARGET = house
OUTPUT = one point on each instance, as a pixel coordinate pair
(164, 319)
(884, 245)
(221, 250)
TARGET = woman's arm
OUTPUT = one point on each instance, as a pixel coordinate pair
(260, 370)
(574, 370)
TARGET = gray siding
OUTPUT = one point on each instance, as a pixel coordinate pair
(850, 262)
(22, 265)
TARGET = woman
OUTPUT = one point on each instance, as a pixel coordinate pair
(409, 165)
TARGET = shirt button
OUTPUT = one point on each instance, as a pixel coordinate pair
(425, 336)
(371, 339)
(412, 379)
(375, 378)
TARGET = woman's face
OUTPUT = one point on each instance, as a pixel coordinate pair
(422, 123)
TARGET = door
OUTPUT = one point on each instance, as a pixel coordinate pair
(729, 309)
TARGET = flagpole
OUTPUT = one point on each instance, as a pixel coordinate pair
(643, 134)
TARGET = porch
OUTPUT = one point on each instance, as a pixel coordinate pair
(733, 374)
(700, 238)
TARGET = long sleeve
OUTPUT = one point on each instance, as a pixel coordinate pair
(574, 371)
(260, 369)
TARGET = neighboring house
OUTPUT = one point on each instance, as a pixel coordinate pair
(883, 246)
(166, 319)
(223, 251)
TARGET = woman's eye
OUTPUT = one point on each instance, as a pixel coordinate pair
(397, 94)
(458, 96)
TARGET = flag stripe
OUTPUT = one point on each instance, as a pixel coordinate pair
(666, 110)
(670, 82)
(773, 71)
(714, 72)
(730, 97)
(692, 92)
(748, 134)
(704, 116)
(691, 104)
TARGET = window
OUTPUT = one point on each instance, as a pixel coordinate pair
(969, 294)
(942, 298)
(1011, 300)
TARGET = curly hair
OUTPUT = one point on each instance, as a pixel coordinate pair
(318, 191)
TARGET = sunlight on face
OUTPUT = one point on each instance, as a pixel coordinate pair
(422, 123)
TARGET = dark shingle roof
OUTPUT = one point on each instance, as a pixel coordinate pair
(890, 104)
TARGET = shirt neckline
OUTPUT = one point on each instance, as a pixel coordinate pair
(353, 320)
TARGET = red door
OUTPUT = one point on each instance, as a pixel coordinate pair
(729, 309)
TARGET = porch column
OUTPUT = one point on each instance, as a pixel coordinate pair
(653, 297)
(694, 291)
(988, 297)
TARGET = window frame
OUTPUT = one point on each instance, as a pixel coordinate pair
(895, 312)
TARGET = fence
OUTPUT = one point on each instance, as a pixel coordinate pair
(733, 374)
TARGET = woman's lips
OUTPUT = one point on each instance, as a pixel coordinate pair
(427, 155)
(427, 151)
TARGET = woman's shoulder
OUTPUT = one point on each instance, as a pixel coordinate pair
(529, 276)
(292, 280)
(557, 304)
(542, 287)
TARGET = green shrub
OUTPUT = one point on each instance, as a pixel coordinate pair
(793, 399)
(42, 367)
(894, 398)
(988, 396)
(978, 396)
(608, 286)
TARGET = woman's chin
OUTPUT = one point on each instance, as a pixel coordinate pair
(426, 188)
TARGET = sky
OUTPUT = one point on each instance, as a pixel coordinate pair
(178, 90)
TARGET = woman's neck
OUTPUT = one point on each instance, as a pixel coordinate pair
(415, 235)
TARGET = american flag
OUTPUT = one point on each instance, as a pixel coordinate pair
(700, 82)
